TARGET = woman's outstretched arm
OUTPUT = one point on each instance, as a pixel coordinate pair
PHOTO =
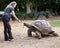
(13, 14)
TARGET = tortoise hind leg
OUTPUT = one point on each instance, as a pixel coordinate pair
(53, 33)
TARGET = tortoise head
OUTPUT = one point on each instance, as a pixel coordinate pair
(24, 24)
(27, 25)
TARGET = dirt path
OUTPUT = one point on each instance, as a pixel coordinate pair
(21, 40)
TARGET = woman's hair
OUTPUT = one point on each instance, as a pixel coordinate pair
(12, 3)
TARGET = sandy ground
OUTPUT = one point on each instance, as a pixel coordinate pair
(21, 40)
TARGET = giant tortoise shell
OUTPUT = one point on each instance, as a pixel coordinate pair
(41, 26)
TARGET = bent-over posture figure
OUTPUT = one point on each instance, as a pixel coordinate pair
(9, 10)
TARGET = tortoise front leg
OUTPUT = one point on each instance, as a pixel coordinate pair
(29, 32)
(38, 34)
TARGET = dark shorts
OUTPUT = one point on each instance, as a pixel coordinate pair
(5, 18)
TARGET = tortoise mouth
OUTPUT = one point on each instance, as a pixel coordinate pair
(24, 24)
(27, 25)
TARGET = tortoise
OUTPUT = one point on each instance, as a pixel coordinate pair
(41, 28)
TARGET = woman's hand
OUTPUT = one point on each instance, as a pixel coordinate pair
(13, 14)
(19, 20)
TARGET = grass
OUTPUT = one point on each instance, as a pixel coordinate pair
(55, 23)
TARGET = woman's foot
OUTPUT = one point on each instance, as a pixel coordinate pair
(11, 38)
(8, 40)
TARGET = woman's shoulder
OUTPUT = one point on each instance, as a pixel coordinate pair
(9, 7)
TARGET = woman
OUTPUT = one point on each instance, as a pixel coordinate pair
(9, 10)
